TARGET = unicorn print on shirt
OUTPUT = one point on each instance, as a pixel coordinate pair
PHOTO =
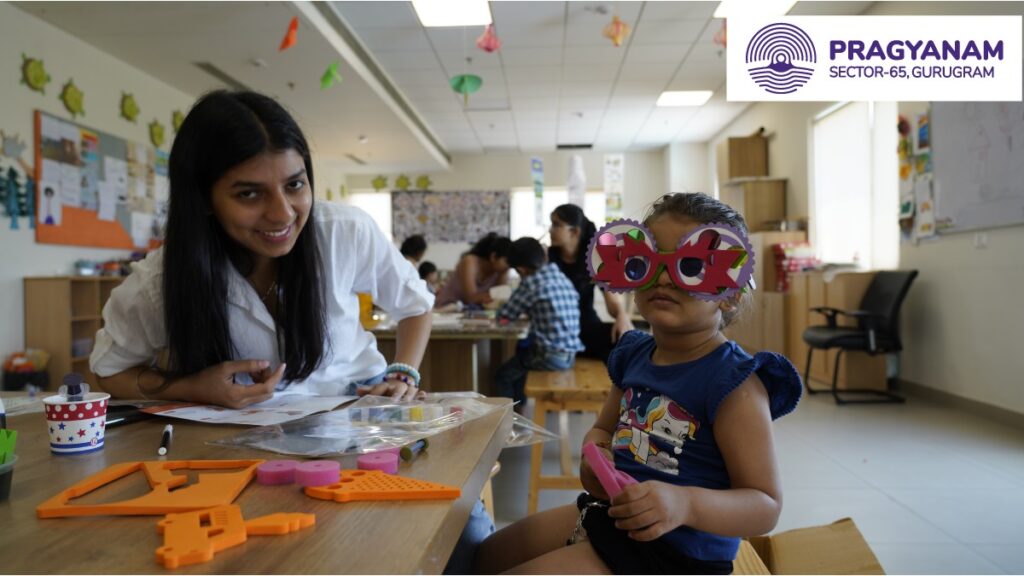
(656, 432)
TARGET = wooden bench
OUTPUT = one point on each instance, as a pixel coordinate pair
(584, 388)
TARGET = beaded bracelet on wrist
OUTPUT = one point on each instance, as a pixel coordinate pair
(404, 369)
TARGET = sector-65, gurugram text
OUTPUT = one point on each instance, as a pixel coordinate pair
(900, 50)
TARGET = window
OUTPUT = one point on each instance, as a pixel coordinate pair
(523, 211)
(377, 205)
(853, 211)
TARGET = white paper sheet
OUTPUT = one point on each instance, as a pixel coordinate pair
(107, 201)
(70, 185)
(283, 407)
(142, 228)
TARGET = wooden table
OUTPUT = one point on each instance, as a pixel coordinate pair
(348, 538)
(458, 357)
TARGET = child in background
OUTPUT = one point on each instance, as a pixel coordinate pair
(413, 248)
(689, 418)
(552, 304)
(428, 273)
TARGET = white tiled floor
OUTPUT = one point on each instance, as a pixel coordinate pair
(933, 490)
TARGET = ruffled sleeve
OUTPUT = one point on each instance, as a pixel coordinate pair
(777, 373)
(622, 354)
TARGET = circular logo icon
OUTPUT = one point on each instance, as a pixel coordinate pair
(780, 58)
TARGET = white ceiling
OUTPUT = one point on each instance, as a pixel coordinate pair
(555, 80)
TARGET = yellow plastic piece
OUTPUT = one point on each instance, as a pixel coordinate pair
(194, 537)
(280, 523)
(211, 489)
(376, 485)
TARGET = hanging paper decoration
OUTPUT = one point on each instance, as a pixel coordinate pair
(33, 74)
(177, 119)
(466, 84)
(331, 76)
(488, 41)
(616, 31)
(156, 133)
(129, 108)
(423, 182)
(379, 183)
(576, 183)
(290, 36)
(13, 147)
(73, 99)
(402, 182)
(721, 36)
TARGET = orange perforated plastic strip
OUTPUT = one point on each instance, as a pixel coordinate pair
(376, 485)
(210, 490)
(194, 537)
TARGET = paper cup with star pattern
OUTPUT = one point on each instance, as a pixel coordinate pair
(76, 426)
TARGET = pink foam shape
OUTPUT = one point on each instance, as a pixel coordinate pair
(317, 473)
(612, 480)
(383, 461)
(274, 472)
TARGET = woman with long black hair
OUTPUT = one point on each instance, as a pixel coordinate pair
(571, 232)
(255, 287)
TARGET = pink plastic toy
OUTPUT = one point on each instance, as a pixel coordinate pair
(382, 461)
(276, 472)
(317, 473)
(612, 480)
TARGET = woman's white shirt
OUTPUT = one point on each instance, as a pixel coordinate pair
(357, 257)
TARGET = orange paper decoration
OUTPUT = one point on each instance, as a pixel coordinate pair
(289, 38)
(616, 31)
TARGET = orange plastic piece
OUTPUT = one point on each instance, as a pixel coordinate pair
(194, 537)
(280, 523)
(211, 489)
(376, 485)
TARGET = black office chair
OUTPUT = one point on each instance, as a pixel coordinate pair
(877, 332)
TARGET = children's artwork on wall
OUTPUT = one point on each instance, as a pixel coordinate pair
(330, 77)
(17, 197)
(177, 119)
(379, 183)
(402, 182)
(924, 220)
(614, 184)
(291, 36)
(129, 108)
(924, 137)
(156, 133)
(96, 189)
(73, 99)
(33, 74)
(463, 216)
(423, 182)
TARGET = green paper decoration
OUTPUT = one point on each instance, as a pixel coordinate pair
(73, 99)
(379, 183)
(177, 119)
(156, 133)
(33, 74)
(423, 182)
(402, 182)
(466, 84)
(331, 76)
(129, 108)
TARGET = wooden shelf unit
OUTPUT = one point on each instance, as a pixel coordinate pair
(60, 310)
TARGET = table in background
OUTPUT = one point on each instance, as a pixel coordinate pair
(460, 357)
(356, 537)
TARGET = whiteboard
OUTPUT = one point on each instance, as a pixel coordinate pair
(978, 160)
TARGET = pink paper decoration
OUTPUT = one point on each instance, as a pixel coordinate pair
(488, 41)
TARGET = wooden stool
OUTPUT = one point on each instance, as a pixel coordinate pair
(584, 388)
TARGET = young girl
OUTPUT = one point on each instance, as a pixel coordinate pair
(571, 232)
(689, 418)
(484, 266)
(255, 286)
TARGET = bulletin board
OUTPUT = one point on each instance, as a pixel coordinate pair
(94, 189)
(978, 159)
(464, 216)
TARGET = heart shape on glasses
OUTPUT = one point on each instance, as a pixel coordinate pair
(712, 262)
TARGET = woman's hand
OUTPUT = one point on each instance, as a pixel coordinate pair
(216, 384)
(590, 482)
(650, 509)
(622, 325)
(394, 388)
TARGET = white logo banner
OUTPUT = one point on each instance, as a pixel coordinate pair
(909, 58)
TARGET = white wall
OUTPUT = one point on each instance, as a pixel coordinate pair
(102, 78)
(686, 167)
(645, 182)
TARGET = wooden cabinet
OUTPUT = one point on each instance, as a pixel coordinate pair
(761, 324)
(760, 200)
(62, 316)
(742, 158)
(810, 289)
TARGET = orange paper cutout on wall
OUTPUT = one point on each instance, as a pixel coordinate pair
(291, 35)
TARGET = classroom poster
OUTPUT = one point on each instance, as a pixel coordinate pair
(614, 180)
(464, 216)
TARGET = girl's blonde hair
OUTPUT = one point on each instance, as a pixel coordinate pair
(706, 210)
